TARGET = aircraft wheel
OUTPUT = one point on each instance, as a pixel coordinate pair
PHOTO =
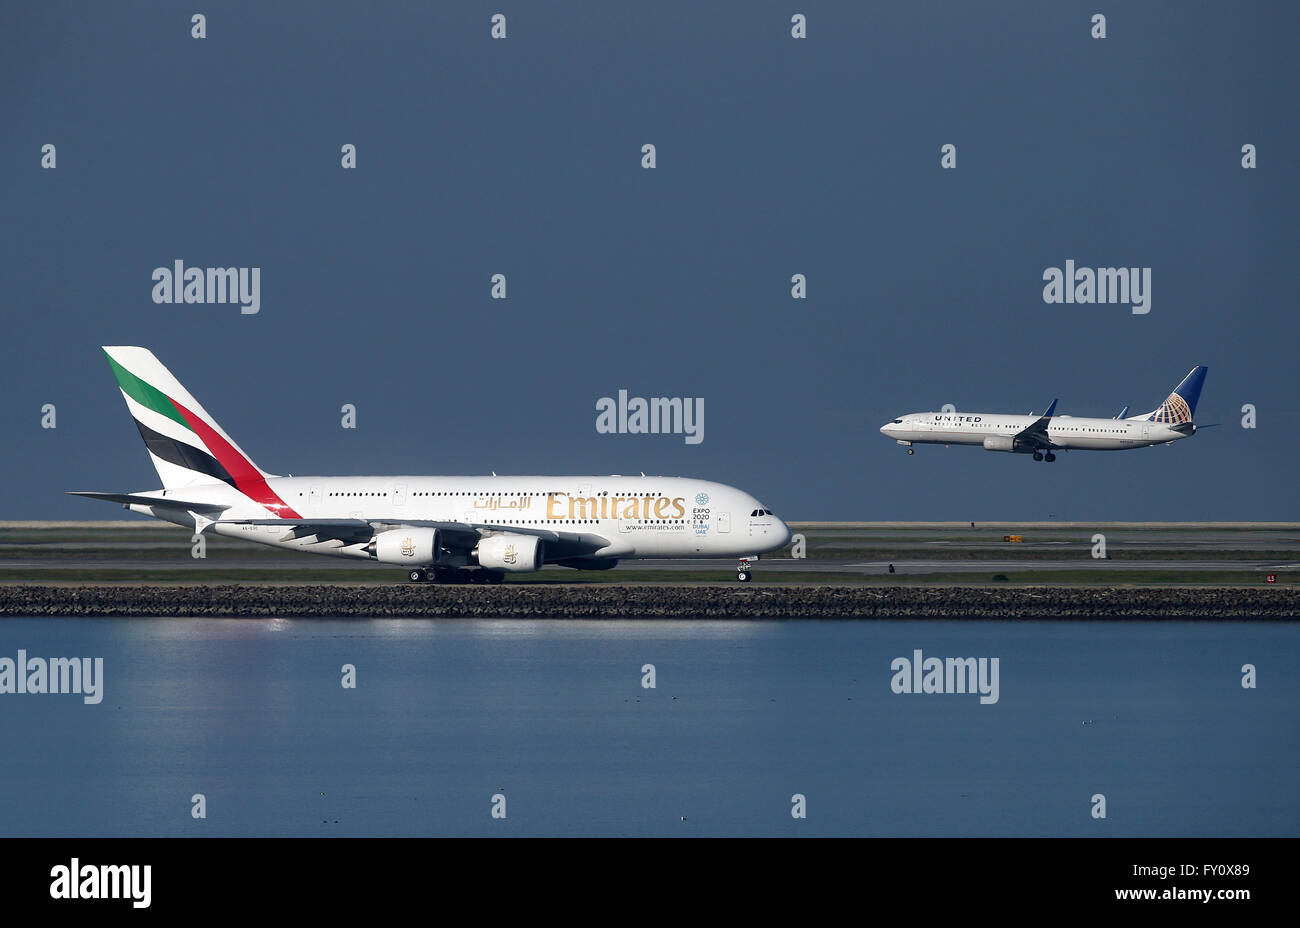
(416, 575)
(911, 451)
(742, 576)
(1049, 457)
(1038, 455)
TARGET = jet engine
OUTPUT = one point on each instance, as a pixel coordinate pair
(1000, 443)
(508, 551)
(406, 546)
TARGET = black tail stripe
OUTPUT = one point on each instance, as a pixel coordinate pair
(183, 455)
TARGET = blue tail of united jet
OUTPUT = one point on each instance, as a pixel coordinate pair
(1180, 406)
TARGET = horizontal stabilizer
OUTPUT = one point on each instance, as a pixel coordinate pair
(158, 502)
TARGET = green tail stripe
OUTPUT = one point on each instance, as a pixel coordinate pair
(144, 394)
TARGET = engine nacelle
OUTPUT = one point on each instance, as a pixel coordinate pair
(1000, 443)
(417, 547)
(508, 551)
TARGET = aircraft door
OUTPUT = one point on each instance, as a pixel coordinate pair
(399, 494)
(315, 497)
(724, 522)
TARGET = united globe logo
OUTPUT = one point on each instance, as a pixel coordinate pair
(1174, 411)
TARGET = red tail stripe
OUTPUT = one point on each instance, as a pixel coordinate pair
(247, 478)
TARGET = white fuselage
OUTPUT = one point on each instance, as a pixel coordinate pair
(1078, 433)
(630, 517)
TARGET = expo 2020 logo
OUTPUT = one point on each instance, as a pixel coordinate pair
(701, 499)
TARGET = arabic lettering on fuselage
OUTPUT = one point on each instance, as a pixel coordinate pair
(503, 502)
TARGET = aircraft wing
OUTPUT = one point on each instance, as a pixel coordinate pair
(457, 534)
(1035, 435)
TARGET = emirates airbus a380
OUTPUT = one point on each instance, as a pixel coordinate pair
(1044, 435)
(448, 529)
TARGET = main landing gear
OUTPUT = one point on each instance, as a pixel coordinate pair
(454, 575)
(743, 570)
(1049, 457)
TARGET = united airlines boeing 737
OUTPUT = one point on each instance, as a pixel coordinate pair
(1042, 436)
(449, 529)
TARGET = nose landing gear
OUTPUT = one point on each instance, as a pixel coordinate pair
(743, 570)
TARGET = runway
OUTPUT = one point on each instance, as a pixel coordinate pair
(1235, 553)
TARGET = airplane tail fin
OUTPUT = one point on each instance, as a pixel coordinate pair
(186, 444)
(1180, 406)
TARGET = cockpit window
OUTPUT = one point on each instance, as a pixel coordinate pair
(898, 422)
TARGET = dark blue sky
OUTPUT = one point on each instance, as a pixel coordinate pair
(775, 157)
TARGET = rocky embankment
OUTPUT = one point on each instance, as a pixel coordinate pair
(658, 602)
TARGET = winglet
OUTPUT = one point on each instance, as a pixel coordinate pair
(1051, 410)
(1122, 413)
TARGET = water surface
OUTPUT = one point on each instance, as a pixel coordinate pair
(552, 715)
